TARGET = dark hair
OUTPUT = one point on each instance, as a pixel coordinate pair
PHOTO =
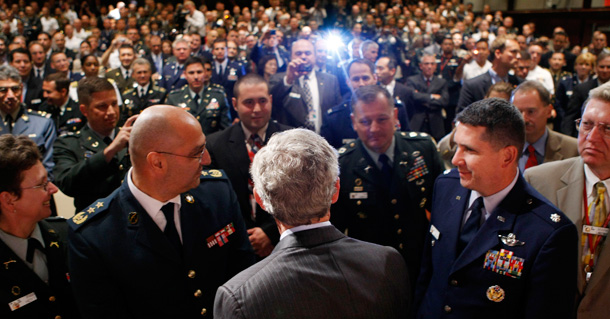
(482, 41)
(56, 53)
(501, 87)
(62, 82)
(503, 123)
(90, 85)
(263, 61)
(17, 154)
(543, 93)
(19, 50)
(391, 61)
(127, 46)
(219, 40)
(361, 61)
(196, 59)
(251, 79)
(369, 93)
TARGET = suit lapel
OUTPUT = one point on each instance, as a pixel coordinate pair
(238, 145)
(451, 220)
(553, 147)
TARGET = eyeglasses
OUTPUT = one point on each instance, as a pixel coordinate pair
(198, 157)
(44, 186)
(586, 127)
(15, 89)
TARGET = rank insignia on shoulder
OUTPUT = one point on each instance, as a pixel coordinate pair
(556, 218)
(221, 237)
(504, 263)
(212, 173)
(87, 213)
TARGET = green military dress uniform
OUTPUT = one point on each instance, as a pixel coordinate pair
(119, 79)
(212, 113)
(391, 214)
(81, 170)
(134, 104)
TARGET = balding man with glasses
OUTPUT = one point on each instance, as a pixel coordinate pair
(579, 187)
(168, 237)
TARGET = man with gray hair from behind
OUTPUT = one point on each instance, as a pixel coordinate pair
(315, 271)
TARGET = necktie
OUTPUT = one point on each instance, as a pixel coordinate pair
(428, 82)
(531, 160)
(471, 226)
(107, 140)
(197, 100)
(9, 123)
(311, 112)
(33, 244)
(386, 169)
(141, 92)
(255, 143)
(126, 74)
(170, 227)
(599, 220)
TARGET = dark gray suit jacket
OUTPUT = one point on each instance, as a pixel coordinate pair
(319, 273)
(475, 89)
(290, 109)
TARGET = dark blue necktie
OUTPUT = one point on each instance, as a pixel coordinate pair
(386, 169)
(170, 227)
(472, 224)
(33, 244)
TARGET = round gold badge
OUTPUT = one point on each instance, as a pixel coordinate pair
(495, 293)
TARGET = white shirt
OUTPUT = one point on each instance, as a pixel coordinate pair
(195, 23)
(304, 227)
(73, 43)
(590, 180)
(49, 25)
(473, 69)
(82, 34)
(490, 202)
(390, 87)
(153, 206)
(543, 76)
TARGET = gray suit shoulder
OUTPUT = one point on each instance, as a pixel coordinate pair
(550, 170)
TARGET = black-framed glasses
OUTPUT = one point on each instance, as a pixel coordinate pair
(15, 89)
(198, 157)
(44, 186)
(587, 126)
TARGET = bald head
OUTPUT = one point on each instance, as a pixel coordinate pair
(159, 127)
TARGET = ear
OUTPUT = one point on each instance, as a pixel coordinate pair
(351, 116)
(83, 109)
(7, 201)
(234, 101)
(336, 194)
(498, 53)
(549, 111)
(509, 156)
(258, 199)
(156, 161)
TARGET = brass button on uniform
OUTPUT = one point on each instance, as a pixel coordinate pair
(447, 309)
(57, 317)
(399, 231)
(453, 282)
(191, 274)
(394, 201)
(397, 216)
(400, 246)
(198, 293)
(204, 312)
(358, 202)
(121, 167)
(52, 298)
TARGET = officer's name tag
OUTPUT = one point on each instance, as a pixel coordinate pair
(358, 195)
(27, 299)
(32, 135)
(295, 95)
(435, 233)
(593, 230)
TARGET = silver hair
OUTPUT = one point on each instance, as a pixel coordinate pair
(8, 72)
(179, 40)
(601, 92)
(295, 176)
(141, 61)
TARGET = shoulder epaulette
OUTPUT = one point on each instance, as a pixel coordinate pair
(217, 86)
(131, 91)
(175, 91)
(414, 135)
(74, 84)
(89, 213)
(39, 113)
(213, 174)
(347, 148)
(159, 88)
(111, 80)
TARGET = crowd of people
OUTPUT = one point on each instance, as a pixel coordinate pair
(218, 158)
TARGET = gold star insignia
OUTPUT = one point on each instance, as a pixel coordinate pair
(99, 205)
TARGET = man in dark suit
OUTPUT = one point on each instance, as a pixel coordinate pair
(31, 93)
(64, 112)
(496, 247)
(172, 246)
(302, 95)
(315, 271)
(91, 163)
(156, 57)
(234, 148)
(385, 69)
(224, 71)
(430, 99)
(505, 53)
(34, 278)
(145, 94)
(122, 75)
(581, 92)
(542, 145)
(385, 203)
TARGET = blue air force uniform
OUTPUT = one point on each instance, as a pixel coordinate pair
(37, 126)
(395, 214)
(520, 264)
(123, 265)
(173, 77)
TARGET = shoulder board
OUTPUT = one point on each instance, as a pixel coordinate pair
(98, 207)
(70, 134)
(158, 88)
(130, 91)
(111, 80)
(39, 113)
(74, 84)
(213, 174)
(177, 91)
(347, 148)
(415, 135)
(217, 86)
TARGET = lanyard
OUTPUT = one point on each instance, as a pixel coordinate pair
(593, 242)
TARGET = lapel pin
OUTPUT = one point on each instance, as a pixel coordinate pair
(133, 218)
(501, 219)
(189, 198)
